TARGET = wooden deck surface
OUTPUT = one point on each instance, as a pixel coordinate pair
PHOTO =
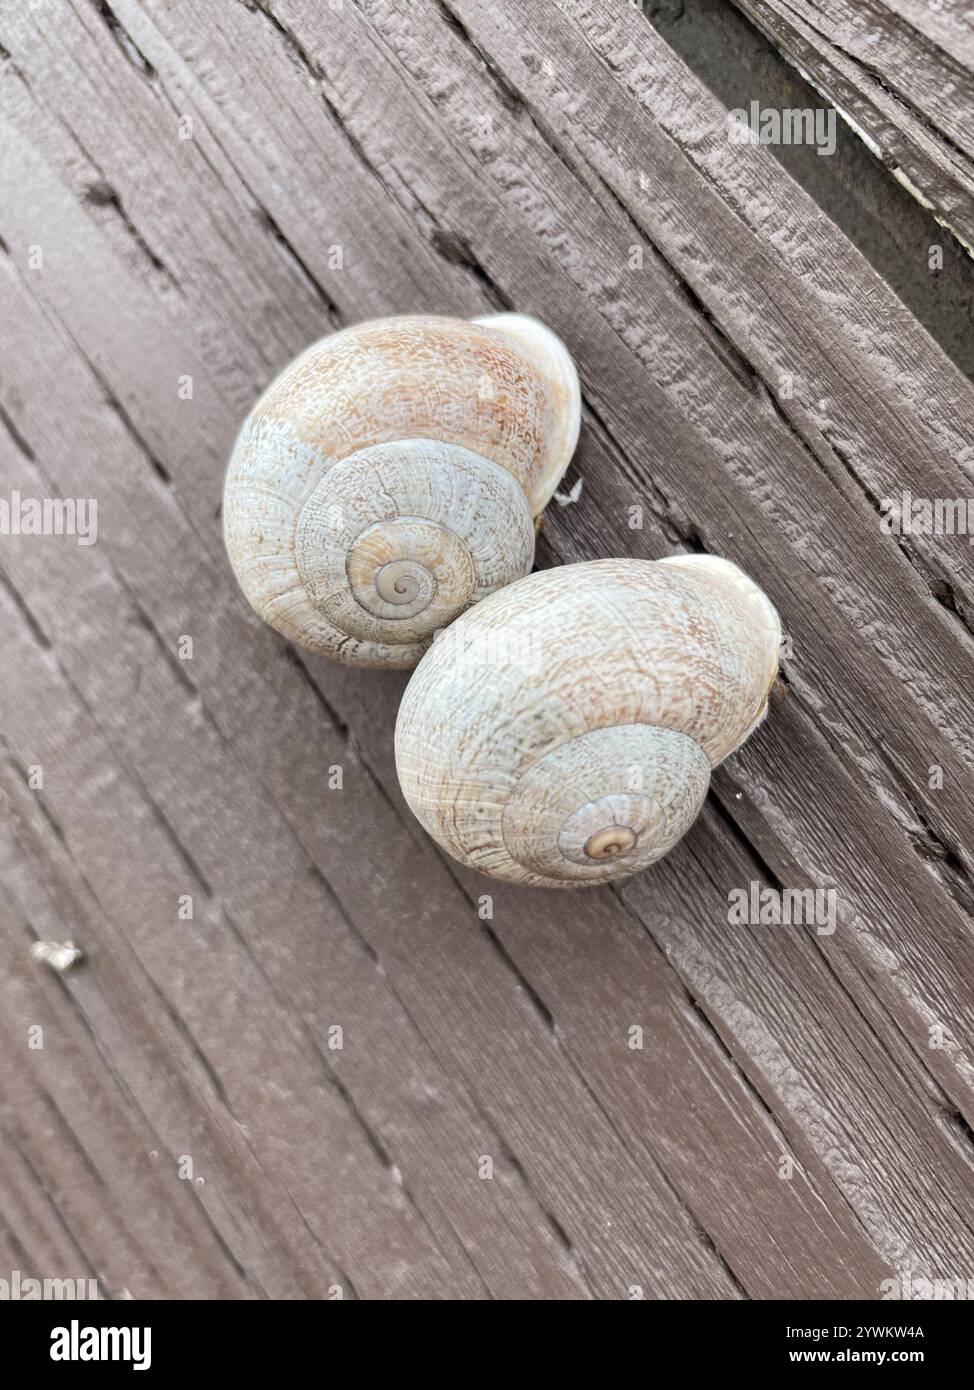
(192, 192)
(901, 73)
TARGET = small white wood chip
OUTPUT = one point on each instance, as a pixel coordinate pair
(566, 499)
(59, 955)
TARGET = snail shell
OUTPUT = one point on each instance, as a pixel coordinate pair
(562, 733)
(391, 475)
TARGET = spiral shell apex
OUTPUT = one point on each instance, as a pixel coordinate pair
(391, 475)
(562, 733)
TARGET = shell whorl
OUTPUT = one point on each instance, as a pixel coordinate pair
(390, 477)
(563, 732)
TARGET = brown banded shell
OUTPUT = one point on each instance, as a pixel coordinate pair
(391, 476)
(562, 733)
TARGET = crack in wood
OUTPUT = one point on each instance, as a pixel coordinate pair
(123, 39)
(310, 279)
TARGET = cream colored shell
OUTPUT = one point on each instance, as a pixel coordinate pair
(391, 475)
(562, 732)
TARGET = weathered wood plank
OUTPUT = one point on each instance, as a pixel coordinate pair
(543, 215)
(307, 1146)
(88, 1163)
(118, 672)
(424, 48)
(837, 680)
(245, 858)
(146, 584)
(852, 589)
(902, 75)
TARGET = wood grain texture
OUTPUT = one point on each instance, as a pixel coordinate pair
(187, 172)
(901, 73)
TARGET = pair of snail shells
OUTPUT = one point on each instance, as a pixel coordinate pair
(562, 733)
(390, 477)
